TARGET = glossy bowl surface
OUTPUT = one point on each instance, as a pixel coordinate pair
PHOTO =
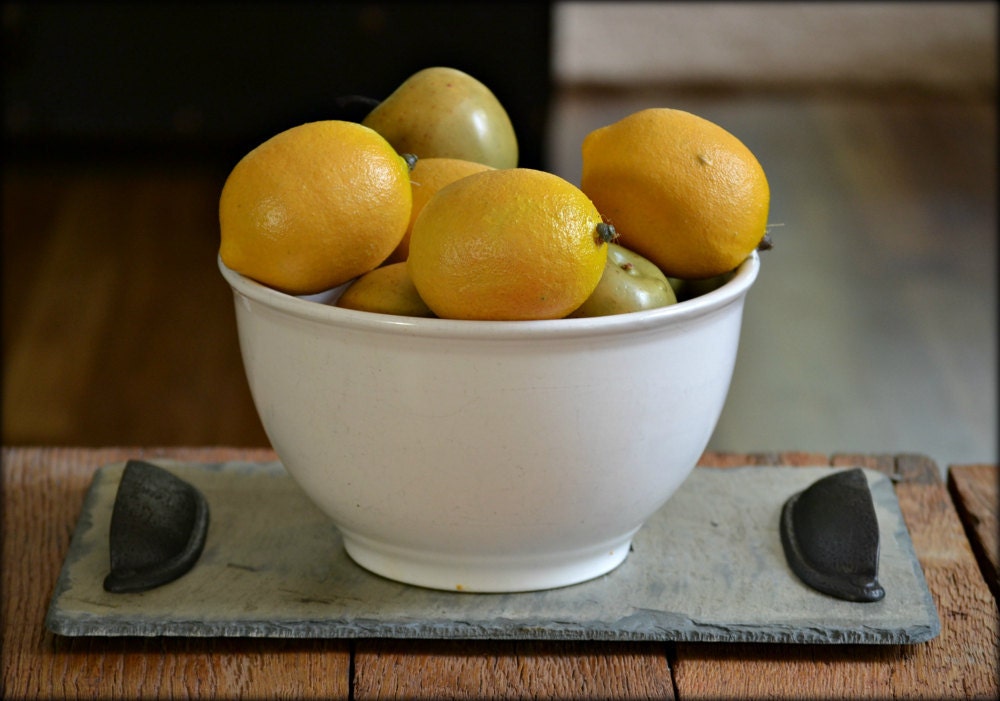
(488, 456)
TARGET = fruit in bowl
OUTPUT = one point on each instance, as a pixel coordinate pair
(314, 206)
(508, 244)
(427, 176)
(630, 283)
(494, 406)
(446, 113)
(681, 190)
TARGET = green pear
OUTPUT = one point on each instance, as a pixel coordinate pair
(630, 283)
(441, 112)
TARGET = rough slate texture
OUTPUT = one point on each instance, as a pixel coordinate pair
(707, 567)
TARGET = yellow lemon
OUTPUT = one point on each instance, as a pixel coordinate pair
(427, 176)
(385, 290)
(508, 244)
(314, 206)
(679, 189)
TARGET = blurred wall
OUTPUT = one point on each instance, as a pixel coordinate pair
(918, 45)
(216, 78)
(106, 79)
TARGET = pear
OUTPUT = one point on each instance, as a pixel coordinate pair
(630, 283)
(442, 112)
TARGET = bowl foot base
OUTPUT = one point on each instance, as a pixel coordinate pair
(486, 574)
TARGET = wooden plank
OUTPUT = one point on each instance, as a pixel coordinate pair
(47, 488)
(501, 670)
(975, 491)
(385, 669)
(731, 459)
(152, 355)
(43, 495)
(960, 662)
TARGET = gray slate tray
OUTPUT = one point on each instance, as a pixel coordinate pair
(707, 567)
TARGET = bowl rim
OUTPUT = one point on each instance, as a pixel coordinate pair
(320, 309)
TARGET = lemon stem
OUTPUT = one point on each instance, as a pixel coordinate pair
(411, 159)
(606, 232)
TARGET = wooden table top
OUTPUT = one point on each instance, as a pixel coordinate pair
(952, 524)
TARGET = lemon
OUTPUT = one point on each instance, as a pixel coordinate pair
(679, 189)
(314, 206)
(507, 244)
(427, 176)
(385, 290)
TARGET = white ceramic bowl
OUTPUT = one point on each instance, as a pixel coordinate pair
(488, 456)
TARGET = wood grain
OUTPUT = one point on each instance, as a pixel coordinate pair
(43, 496)
(959, 663)
(976, 491)
(117, 326)
(511, 670)
(49, 485)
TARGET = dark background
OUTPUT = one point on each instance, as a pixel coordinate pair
(212, 80)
